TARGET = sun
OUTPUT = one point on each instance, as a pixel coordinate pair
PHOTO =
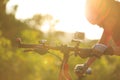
(70, 13)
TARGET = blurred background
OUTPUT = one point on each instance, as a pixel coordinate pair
(53, 20)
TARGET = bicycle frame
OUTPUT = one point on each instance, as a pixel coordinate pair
(64, 70)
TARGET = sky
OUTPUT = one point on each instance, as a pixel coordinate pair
(70, 13)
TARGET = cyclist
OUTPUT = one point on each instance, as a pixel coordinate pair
(105, 14)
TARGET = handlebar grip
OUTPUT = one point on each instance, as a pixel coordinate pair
(22, 45)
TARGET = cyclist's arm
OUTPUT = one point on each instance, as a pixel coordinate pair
(106, 37)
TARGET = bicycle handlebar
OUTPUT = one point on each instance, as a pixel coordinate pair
(62, 48)
(64, 74)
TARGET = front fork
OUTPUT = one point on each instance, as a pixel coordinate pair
(64, 71)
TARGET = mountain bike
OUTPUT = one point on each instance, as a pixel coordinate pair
(80, 69)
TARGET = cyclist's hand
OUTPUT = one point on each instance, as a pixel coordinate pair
(111, 51)
(99, 49)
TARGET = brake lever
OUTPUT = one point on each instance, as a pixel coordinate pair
(28, 50)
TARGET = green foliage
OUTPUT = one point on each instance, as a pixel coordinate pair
(18, 65)
(30, 35)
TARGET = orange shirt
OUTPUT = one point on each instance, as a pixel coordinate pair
(97, 10)
(96, 13)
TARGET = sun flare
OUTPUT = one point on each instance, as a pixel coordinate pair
(70, 13)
